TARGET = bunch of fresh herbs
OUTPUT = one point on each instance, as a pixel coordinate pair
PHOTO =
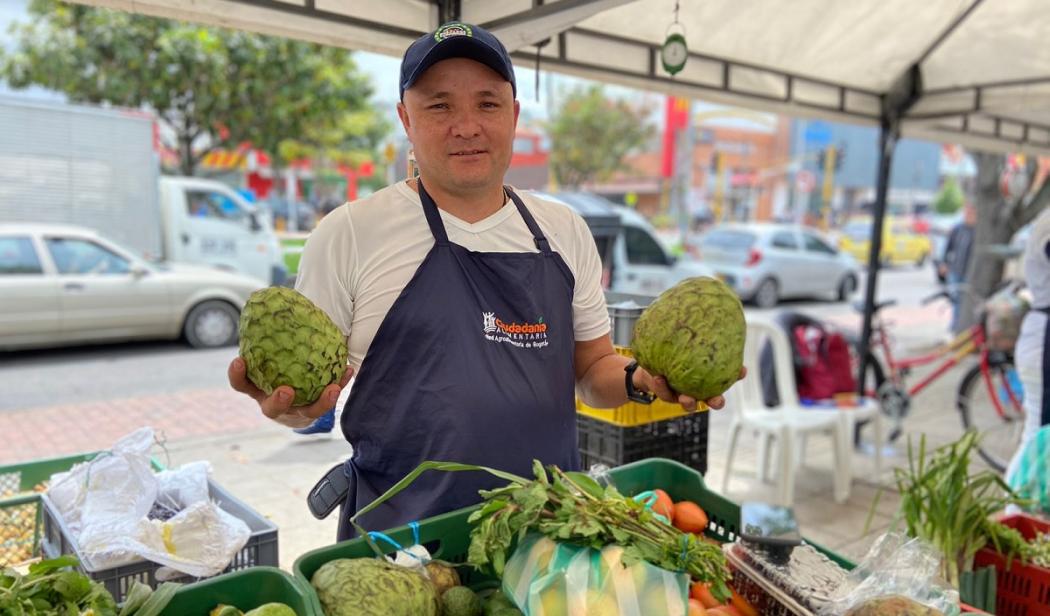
(55, 588)
(573, 507)
(945, 504)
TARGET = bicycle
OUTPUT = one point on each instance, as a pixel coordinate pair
(994, 410)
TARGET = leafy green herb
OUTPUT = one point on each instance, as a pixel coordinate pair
(55, 588)
(572, 507)
(946, 505)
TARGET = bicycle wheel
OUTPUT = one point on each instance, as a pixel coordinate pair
(1000, 434)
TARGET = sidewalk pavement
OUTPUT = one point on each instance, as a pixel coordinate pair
(273, 469)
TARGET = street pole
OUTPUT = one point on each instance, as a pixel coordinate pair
(720, 168)
(289, 192)
(829, 188)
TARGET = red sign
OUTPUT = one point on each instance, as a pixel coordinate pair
(676, 118)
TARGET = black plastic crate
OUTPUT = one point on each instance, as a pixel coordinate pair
(682, 439)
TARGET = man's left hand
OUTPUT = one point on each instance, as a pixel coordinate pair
(659, 386)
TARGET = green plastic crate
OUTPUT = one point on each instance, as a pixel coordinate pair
(22, 511)
(448, 535)
(245, 590)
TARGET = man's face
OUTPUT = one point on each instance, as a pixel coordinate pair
(460, 117)
(970, 215)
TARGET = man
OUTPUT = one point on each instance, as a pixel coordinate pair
(956, 259)
(471, 313)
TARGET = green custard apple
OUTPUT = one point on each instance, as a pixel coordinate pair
(286, 340)
(693, 334)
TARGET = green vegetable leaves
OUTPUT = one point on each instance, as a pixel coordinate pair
(55, 588)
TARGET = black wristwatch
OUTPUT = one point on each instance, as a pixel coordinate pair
(633, 394)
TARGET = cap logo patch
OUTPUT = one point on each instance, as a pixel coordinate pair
(450, 30)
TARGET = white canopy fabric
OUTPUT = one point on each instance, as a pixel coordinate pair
(976, 72)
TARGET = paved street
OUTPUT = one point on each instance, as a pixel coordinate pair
(42, 378)
(72, 400)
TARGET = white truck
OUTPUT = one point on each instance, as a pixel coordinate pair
(100, 168)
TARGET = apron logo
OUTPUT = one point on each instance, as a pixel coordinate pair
(489, 320)
(521, 335)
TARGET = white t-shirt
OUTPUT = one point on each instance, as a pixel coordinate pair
(1029, 348)
(360, 257)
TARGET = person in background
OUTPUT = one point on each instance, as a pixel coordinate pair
(1033, 344)
(955, 262)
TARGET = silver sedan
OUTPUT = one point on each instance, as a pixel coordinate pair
(65, 285)
(765, 263)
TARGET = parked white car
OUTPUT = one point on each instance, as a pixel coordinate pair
(65, 285)
(765, 263)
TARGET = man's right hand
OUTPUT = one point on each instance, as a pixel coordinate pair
(278, 405)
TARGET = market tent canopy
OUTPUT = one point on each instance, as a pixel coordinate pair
(973, 72)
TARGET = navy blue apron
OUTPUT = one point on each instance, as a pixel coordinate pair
(474, 364)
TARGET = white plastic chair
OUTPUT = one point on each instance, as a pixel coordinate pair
(789, 423)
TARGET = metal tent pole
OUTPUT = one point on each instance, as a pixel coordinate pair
(887, 144)
(904, 93)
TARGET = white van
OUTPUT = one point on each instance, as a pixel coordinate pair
(633, 259)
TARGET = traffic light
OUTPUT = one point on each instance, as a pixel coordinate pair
(822, 157)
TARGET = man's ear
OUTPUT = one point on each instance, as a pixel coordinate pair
(517, 112)
(402, 112)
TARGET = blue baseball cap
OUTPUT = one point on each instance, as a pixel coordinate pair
(455, 40)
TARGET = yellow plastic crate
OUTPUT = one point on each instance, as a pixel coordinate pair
(634, 413)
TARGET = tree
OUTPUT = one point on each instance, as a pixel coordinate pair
(214, 88)
(998, 218)
(591, 135)
(950, 198)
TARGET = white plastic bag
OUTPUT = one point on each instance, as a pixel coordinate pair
(199, 541)
(106, 505)
(102, 501)
(178, 489)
